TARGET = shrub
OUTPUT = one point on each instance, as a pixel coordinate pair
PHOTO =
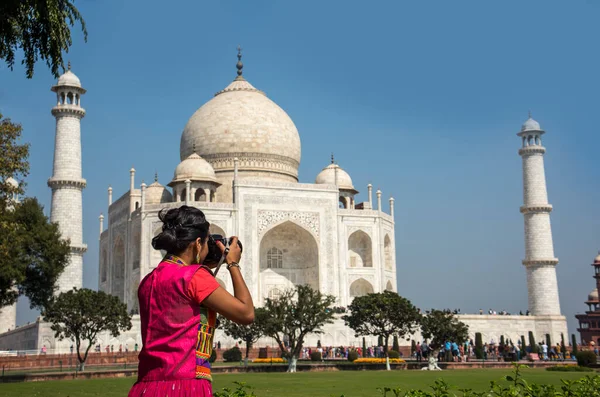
(523, 344)
(574, 343)
(532, 345)
(316, 356)
(395, 345)
(213, 356)
(393, 354)
(268, 360)
(352, 355)
(586, 358)
(378, 361)
(569, 368)
(548, 341)
(478, 346)
(232, 355)
(364, 348)
(319, 343)
(563, 347)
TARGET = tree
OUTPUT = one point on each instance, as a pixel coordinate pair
(532, 345)
(442, 326)
(250, 334)
(295, 314)
(563, 348)
(364, 347)
(32, 256)
(479, 353)
(81, 314)
(395, 344)
(13, 162)
(523, 344)
(382, 314)
(574, 344)
(41, 29)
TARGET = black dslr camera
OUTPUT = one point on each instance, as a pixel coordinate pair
(214, 252)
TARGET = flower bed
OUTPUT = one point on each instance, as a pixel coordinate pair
(378, 361)
(268, 361)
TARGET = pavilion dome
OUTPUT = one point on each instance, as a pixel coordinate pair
(194, 168)
(597, 258)
(158, 194)
(593, 296)
(530, 125)
(242, 122)
(12, 182)
(327, 176)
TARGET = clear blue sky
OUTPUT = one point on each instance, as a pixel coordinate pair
(422, 99)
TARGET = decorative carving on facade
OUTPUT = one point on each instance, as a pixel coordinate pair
(368, 277)
(310, 220)
(367, 229)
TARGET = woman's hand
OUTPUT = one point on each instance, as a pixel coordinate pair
(234, 254)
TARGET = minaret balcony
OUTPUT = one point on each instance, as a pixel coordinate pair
(540, 262)
(55, 183)
(61, 110)
(536, 209)
(78, 248)
(532, 150)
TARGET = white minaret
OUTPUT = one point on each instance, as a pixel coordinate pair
(539, 251)
(66, 182)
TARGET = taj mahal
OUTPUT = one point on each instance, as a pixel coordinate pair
(240, 154)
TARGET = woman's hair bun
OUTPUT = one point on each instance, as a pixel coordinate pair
(181, 226)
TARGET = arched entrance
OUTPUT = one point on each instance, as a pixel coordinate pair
(388, 286)
(289, 255)
(360, 252)
(360, 287)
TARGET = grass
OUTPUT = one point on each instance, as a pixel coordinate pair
(314, 384)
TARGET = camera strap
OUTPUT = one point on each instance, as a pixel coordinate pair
(222, 260)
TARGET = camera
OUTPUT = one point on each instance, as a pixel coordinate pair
(214, 252)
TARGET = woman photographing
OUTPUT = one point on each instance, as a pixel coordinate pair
(179, 301)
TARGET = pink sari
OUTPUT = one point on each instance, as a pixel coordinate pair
(177, 335)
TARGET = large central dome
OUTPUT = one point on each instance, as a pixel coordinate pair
(241, 122)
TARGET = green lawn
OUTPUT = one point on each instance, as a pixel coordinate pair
(314, 384)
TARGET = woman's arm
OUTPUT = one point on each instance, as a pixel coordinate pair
(238, 307)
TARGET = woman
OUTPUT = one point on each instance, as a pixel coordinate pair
(179, 302)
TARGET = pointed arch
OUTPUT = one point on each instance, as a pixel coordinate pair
(387, 248)
(289, 255)
(118, 255)
(360, 287)
(389, 286)
(360, 251)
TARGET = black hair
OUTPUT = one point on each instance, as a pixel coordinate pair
(181, 226)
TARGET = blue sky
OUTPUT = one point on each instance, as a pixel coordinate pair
(421, 99)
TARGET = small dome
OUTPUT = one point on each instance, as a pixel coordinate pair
(327, 176)
(157, 194)
(12, 182)
(530, 125)
(593, 296)
(597, 258)
(194, 168)
(69, 79)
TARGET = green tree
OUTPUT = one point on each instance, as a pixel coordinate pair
(563, 347)
(479, 353)
(295, 314)
(395, 344)
(33, 254)
(382, 314)
(574, 344)
(250, 334)
(364, 347)
(81, 314)
(13, 162)
(523, 344)
(532, 345)
(413, 347)
(439, 327)
(41, 29)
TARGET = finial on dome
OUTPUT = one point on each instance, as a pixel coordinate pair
(529, 113)
(69, 65)
(239, 64)
(332, 159)
(155, 176)
(194, 148)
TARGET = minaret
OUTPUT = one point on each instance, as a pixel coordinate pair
(66, 182)
(539, 259)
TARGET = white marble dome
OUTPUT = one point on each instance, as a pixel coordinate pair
(597, 259)
(241, 121)
(194, 168)
(327, 176)
(157, 194)
(593, 296)
(531, 125)
(12, 182)
(69, 79)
